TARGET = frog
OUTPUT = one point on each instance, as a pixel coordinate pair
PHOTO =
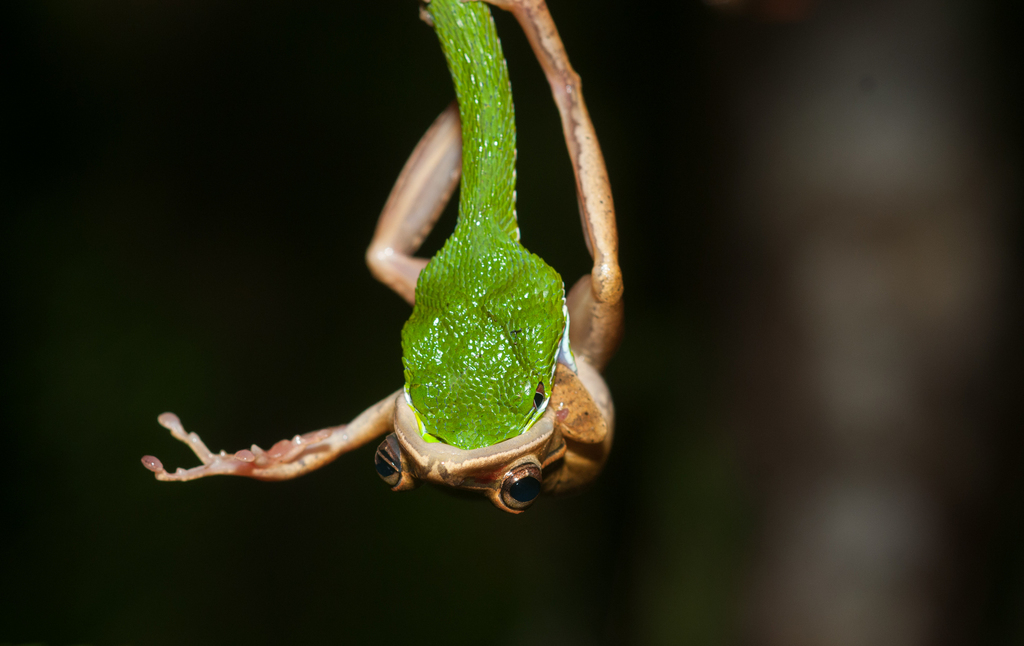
(503, 394)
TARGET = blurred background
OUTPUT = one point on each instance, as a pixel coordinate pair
(817, 435)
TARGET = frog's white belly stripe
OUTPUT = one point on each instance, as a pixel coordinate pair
(564, 356)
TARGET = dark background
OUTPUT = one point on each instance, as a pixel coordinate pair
(187, 193)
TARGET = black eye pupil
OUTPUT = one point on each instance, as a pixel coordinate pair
(538, 399)
(383, 468)
(525, 489)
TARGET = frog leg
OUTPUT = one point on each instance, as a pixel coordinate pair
(595, 301)
(585, 417)
(285, 460)
(420, 194)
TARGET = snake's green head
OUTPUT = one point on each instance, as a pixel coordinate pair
(480, 347)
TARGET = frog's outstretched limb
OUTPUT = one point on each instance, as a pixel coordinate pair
(285, 460)
(595, 301)
(420, 194)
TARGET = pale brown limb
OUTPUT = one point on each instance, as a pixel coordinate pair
(590, 442)
(285, 460)
(420, 194)
(595, 302)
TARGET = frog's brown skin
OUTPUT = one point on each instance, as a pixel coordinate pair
(567, 448)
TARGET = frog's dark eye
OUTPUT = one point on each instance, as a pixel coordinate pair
(539, 396)
(521, 487)
(388, 460)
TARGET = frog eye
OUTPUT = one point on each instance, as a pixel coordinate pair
(521, 487)
(388, 460)
(539, 396)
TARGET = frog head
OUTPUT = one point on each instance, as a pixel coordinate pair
(562, 450)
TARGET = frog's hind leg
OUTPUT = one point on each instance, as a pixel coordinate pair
(285, 460)
(420, 194)
(595, 302)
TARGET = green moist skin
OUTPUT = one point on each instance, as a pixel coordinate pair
(489, 314)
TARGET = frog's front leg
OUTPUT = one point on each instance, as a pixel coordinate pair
(420, 194)
(285, 460)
